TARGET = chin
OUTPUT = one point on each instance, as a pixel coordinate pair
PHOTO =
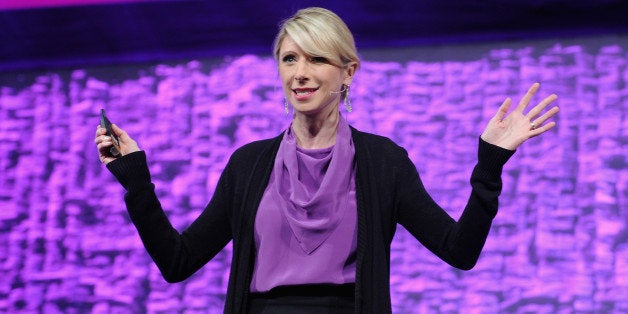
(311, 111)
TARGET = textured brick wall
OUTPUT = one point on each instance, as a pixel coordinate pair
(559, 243)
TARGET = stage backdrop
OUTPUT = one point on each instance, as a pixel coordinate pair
(558, 245)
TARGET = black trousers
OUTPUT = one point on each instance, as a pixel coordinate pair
(304, 299)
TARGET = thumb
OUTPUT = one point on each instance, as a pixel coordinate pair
(120, 133)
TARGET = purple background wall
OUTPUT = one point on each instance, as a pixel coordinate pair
(558, 244)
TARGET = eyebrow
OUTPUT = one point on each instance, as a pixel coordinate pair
(287, 52)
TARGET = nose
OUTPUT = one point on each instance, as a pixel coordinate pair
(301, 72)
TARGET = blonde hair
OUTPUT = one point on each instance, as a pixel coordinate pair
(319, 32)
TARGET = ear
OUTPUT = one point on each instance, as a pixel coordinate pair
(350, 69)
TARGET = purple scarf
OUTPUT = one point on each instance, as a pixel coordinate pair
(313, 212)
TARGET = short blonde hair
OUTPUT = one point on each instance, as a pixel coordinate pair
(321, 33)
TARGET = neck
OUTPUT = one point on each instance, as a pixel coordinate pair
(317, 131)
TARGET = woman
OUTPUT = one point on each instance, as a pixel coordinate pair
(312, 212)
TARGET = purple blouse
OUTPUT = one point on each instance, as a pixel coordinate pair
(306, 224)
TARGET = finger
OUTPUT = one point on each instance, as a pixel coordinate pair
(503, 109)
(104, 158)
(527, 97)
(104, 145)
(538, 108)
(100, 130)
(99, 138)
(542, 129)
(550, 113)
(102, 138)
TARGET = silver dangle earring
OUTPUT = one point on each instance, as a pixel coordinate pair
(286, 108)
(347, 101)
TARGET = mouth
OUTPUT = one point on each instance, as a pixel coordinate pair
(303, 93)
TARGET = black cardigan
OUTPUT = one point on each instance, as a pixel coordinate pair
(388, 191)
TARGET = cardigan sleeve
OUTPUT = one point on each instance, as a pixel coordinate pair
(177, 255)
(459, 243)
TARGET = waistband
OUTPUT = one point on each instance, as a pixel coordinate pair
(316, 290)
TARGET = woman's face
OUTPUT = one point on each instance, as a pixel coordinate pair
(310, 83)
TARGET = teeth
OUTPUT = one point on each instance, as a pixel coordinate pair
(303, 92)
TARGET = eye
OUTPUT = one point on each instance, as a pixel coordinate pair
(318, 60)
(288, 58)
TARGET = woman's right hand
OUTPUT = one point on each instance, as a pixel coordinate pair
(104, 143)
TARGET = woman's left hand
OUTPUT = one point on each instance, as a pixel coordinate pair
(509, 131)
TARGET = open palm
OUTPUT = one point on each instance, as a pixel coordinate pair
(510, 130)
